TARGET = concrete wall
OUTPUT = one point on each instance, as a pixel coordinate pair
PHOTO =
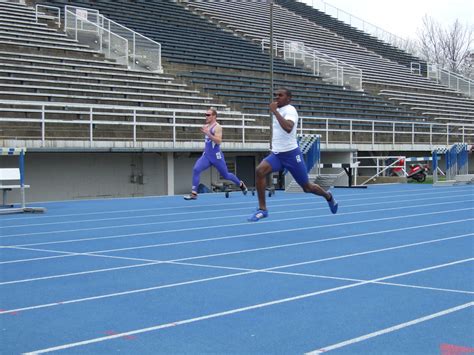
(64, 176)
(71, 176)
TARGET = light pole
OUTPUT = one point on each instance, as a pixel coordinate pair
(271, 69)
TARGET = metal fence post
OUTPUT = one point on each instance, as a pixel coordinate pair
(174, 128)
(350, 132)
(43, 125)
(134, 51)
(134, 127)
(327, 132)
(243, 128)
(431, 135)
(91, 126)
(393, 133)
(373, 134)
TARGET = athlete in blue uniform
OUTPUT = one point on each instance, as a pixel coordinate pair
(285, 154)
(212, 155)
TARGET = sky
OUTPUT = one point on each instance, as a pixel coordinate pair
(402, 17)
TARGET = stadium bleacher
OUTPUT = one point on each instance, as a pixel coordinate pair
(42, 65)
(61, 94)
(218, 60)
(193, 46)
(380, 72)
(351, 33)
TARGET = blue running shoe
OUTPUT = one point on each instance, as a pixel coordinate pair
(258, 215)
(333, 205)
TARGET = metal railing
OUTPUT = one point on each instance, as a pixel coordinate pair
(383, 132)
(83, 26)
(357, 22)
(328, 68)
(114, 40)
(450, 79)
(133, 126)
(143, 51)
(443, 76)
(123, 126)
(415, 68)
(40, 14)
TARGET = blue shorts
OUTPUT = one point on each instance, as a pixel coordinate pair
(292, 161)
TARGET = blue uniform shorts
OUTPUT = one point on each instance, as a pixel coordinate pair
(292, 161)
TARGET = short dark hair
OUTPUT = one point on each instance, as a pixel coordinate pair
(287, 92)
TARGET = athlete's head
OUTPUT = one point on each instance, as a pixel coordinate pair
(211, 115)
(283, 97)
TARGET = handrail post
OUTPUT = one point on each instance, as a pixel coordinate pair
(134, 127)
(431, 136)
(350, 132)
(393, 133)
(243, 128)
(134, 51)
(327, 132)
(75, 29)
(65, 19)
(22, 177)
(174, 128)
(91, 126)
(43, 126)
(110, 40)
(373, 134)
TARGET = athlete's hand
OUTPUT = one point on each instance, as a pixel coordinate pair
(273, 106)
(205, 130)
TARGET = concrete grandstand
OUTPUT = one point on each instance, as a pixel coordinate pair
(111, 125)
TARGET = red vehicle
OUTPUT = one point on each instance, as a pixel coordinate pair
(418, 172)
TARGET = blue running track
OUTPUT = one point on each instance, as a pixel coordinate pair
(391, 273)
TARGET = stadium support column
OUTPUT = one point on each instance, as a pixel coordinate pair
(170, 173)
(271, 68)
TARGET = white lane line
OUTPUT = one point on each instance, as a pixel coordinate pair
(37, 259)
(251, 271)
(247, 234)
(391, 329)
(80, 273)
(186, 213)
(378, 210)
(264, 233)
(239, 310)
(180, 207)
(209, 266)
(447, 189)
(154, 233)
(450, 290)
(223, 254)
(311, 201)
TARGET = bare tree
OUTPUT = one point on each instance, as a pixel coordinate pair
(450, 48)
(456, 45)
(430, 44)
